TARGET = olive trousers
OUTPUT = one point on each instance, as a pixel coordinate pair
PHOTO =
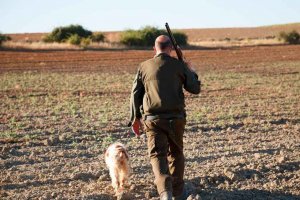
(165, 148)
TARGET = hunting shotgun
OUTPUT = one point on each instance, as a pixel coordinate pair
(174, 43)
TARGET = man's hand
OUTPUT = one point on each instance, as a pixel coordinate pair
(188, 63)
(136, 126)
(190, 66)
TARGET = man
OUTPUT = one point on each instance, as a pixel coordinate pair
(157, 98)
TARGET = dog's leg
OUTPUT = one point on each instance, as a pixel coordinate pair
(114, 180)
(123, 178)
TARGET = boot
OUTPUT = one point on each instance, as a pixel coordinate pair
(166, 195)
(183, 196)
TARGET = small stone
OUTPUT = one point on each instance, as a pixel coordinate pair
(256, 177)
(5, 148)
(62, 137)
(13, 151)
(147, 195)
(61, 153)
(257, 156)
(194, 197)
(54, 139)
(273, 184)
(203, 181)
(29, 143)
(82, 176)
(229, 129)
(32, 155)
(103, 177)
(98, 173)
(47, 196)
(190, 197)
(223, 158)
(266, 186)
(231, 175)
(53, 194)
(72, 183)
(281, 159)
(47, 142)
(132, 187)
(226, 169)
(56, 170)
(251, 166)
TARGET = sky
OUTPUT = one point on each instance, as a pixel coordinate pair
(28, 16)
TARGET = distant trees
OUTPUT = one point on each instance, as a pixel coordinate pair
(147, 35)
(97, 37)
(4, 38)
(73, 34)
(292, 37)
(77, 35)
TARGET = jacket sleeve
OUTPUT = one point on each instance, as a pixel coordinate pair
(136, 98)
(191, 82)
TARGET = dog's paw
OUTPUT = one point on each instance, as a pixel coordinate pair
(124, 196)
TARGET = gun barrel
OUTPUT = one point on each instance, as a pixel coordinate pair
(174, 43)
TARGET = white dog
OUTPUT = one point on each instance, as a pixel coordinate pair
(117, 161)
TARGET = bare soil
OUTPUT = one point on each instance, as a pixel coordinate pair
(59, 110)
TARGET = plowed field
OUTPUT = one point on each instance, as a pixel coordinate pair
(59, 110)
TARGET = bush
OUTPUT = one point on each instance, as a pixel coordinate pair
(292, 37)
(180, 38)
(85, 41)
(147, 36)
(62, 34)
(4, 38)
(74, 39)
(97, 37)
(131, 38)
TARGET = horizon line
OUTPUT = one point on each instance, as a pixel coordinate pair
(229, 27)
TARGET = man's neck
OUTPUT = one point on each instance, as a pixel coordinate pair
(164, 52)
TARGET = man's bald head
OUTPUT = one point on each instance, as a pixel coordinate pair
(162, 42)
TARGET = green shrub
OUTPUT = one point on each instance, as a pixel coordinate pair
(131, 38)
(97, 37)
(292, 37)
(4, 38)
(147, 36)
(180, 38)
(74, 39)
(85, 41)
(61, 34)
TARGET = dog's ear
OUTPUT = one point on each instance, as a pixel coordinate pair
(106, 154)
(123, 154)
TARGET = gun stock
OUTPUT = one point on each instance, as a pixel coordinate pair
(174, 43)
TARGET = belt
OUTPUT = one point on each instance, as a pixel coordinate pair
(153, 117)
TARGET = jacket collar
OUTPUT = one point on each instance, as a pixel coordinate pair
(161, 54)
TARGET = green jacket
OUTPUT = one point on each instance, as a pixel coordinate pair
(158, 88)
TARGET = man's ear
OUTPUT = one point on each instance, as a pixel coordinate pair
(154, 49)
